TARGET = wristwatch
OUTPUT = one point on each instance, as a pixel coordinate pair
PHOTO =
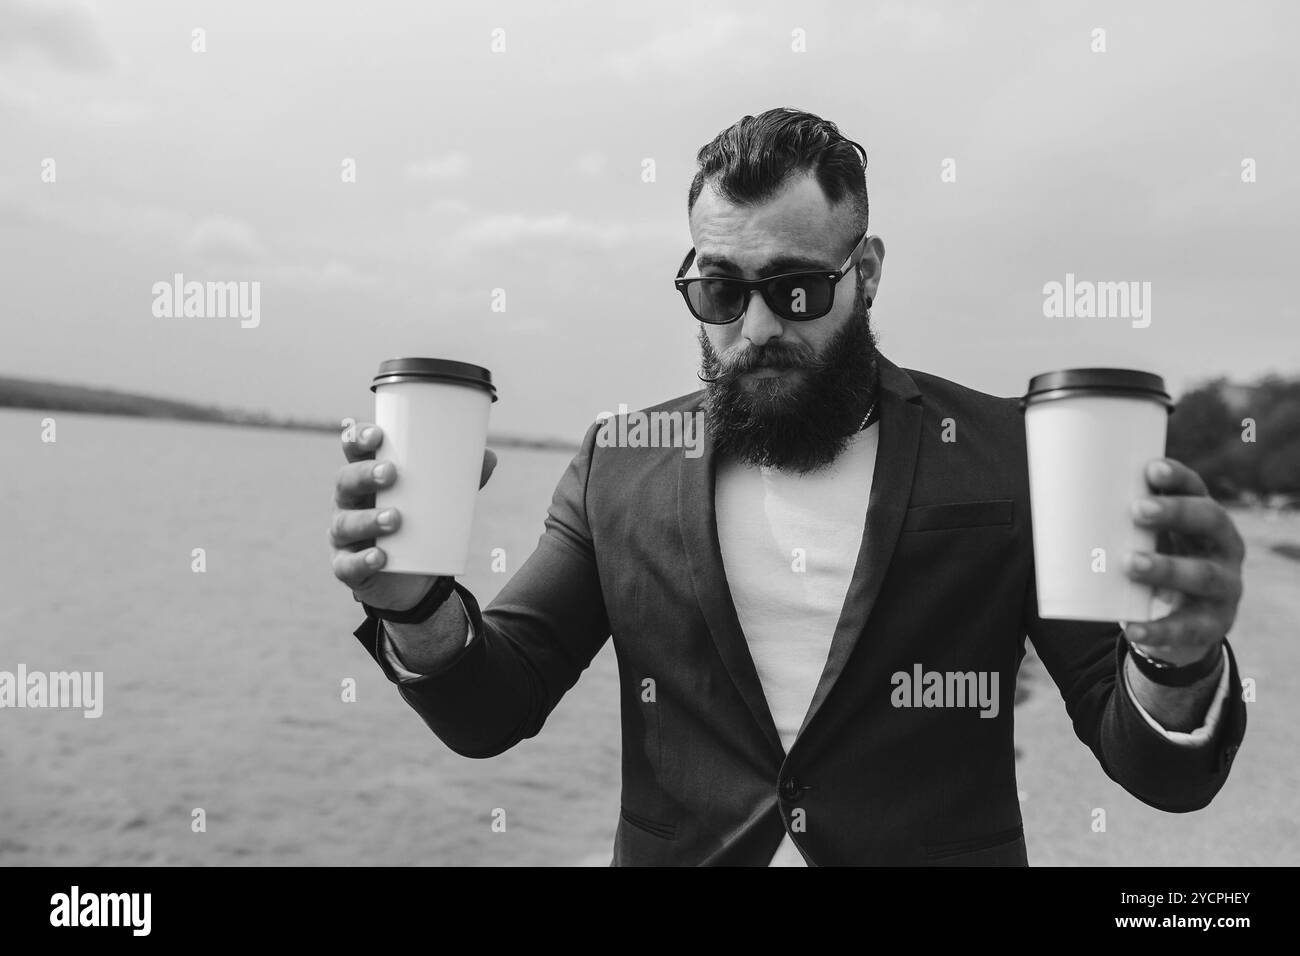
(422, 611)
(1175, 675)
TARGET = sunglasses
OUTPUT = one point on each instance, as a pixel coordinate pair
(795, 296)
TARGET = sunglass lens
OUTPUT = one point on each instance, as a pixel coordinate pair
(800, 297)
(715, 300)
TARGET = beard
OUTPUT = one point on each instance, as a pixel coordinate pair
(802, 423)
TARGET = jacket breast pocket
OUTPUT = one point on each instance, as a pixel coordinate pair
(993, 512)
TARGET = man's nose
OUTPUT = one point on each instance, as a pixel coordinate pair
(759, 324)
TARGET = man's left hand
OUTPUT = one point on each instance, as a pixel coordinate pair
(1199, 573)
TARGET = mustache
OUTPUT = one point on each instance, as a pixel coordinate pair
(763, 356)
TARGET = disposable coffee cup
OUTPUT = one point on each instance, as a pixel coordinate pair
(1090, 433)
(434, 415)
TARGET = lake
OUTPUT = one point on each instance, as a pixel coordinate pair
(223, 689)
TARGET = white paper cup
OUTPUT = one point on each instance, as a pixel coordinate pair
(434, 415)
(1090, 433)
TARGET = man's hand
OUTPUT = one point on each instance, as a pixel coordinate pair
(357, 562)
(1200, 573)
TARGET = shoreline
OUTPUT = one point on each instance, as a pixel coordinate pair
(49, 397)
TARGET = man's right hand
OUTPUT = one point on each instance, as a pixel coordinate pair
(357, 524)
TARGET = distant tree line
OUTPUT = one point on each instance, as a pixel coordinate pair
(1211, 431)
(42, 396)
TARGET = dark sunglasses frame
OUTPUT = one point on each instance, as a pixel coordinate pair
(764, 286)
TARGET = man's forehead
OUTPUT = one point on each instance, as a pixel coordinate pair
(767, 250)
(795, 226)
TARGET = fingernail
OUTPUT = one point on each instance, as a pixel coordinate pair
(372, 558)
(1161, 470)
(1147, 508)
(1135, 631)
(367, 434)
(381, 472)
(385, 518)
(1139, 561)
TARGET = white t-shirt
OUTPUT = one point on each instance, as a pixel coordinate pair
(790, 544)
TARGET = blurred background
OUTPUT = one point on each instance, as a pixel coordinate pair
(505, 184)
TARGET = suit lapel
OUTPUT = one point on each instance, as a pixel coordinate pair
(891, 489)
(698, 519)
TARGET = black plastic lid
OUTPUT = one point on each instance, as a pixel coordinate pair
(1097, 381)
(433, 370)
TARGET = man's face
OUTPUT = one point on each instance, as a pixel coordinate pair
(784, 393)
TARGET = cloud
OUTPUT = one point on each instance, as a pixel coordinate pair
(679, 51)
(117, 112)
(711, 40)
(68, 105)
(500, 229)
(592, 163)
(529, 325)
(65, 34)
(333, 276)
(211, 244)
(450, 207)
(916, 27)
(99, 214)
(225, 240)
(438, 169)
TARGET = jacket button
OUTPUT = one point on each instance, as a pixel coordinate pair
(790, 789)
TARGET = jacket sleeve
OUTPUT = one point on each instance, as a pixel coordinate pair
(530, 644)
(1086, 660)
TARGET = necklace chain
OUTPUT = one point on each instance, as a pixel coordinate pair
(866, 418)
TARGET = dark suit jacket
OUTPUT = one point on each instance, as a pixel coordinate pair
(944, 579)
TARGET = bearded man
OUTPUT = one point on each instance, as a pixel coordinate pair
(764, 597)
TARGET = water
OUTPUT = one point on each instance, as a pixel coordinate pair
(223, 689)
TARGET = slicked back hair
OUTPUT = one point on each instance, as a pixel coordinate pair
(750, 161)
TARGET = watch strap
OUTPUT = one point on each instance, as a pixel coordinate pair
(421, 612)
(1173, 675)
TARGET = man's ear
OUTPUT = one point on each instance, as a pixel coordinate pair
(875, 250)
(871, 264)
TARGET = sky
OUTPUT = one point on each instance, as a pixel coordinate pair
(383, 172)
